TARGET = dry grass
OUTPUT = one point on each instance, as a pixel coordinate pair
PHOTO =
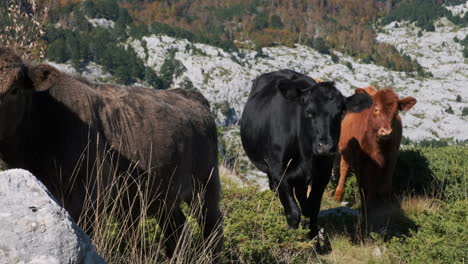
(348, 253)
(229, 178)
(417, 204)
(116, 214)
(120, 237)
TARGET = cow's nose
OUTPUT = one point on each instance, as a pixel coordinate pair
(385, 131)
(323, 147)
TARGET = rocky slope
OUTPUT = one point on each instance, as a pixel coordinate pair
(225, 78)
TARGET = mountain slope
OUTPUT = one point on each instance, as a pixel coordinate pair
(225, 77)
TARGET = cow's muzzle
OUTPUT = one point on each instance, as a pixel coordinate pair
(384, 133)
(322, 148)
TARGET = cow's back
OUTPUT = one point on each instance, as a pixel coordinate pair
(159, 128)
(269, 120)
(166, 134)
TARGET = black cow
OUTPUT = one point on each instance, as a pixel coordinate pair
(290, 129)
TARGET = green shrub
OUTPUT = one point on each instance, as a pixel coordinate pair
(255, 229)
(275, 22)
(440, 172)
(170, 69)
(437, 172)
(318, 44)
(440, 237)
(465, 111)
(260, 53)
(424, 13)
(449, 169)
(335, 58)
(449, 110)
(261, 21)
(432, 143)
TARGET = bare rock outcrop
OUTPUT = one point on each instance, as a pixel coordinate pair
(34, 228)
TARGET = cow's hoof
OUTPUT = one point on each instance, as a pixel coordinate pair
(293, 224)
(305, 223)
(323, 249)
(322, 245)
(293, 220)
(338, 197)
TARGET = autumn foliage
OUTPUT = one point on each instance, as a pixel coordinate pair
(344, 25)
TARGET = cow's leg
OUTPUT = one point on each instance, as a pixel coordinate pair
(293, 215)
(210, 219)
(323, 169)
(172, 223)
(300, 190)
(286, 193)
(315, 199)
(340, 189)
(388, 173)
(271, 183)
(374, 177)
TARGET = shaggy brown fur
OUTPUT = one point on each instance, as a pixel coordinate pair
(56, 125)
(369, 144)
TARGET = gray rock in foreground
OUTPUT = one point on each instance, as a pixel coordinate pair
(34, 228)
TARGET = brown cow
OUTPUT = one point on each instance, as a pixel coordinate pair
(56, 126)
(369, 144)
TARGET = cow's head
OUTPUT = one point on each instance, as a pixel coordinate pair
(322, 108)
(17, 83)
(385, 109)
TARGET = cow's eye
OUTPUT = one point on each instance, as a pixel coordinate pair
(376, 110)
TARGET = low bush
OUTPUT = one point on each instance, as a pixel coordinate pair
(256, 231)
(465, 111)
(440, 237)
(436, 172)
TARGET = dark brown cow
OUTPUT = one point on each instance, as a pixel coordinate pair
(55, 126)
(369, 144)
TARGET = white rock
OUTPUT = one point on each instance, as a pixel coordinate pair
(34, 228)
(101, 22)
(458, 10)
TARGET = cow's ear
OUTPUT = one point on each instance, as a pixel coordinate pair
(358, 102)
(317, 80)
(43, 77)
(360, 91)
(368, 90)
(406, 103)
(293, 89)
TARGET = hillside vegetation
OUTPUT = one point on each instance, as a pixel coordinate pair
(345, 26)
(342, 25)
(429, 226)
